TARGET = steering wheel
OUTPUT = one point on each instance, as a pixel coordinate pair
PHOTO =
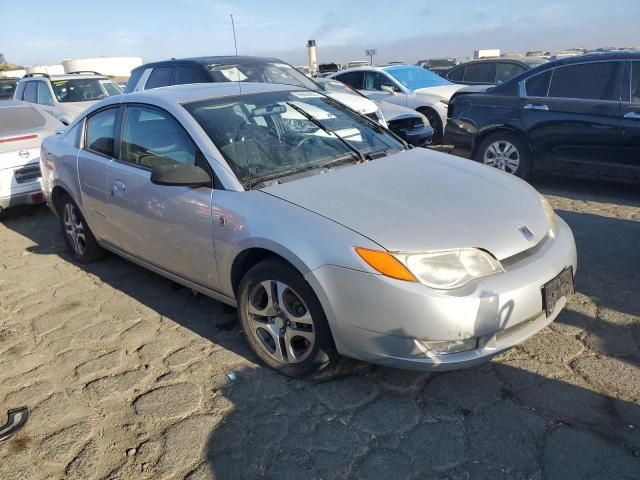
(307, 138)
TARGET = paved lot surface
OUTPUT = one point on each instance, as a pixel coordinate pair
(125, 376)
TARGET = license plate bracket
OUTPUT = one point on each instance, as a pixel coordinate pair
(556, 288)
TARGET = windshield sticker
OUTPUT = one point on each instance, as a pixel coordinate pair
(59, 82)
(306, 94)
(233, 74)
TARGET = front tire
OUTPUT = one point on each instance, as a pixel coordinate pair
(436, 124)
(77, 234)
(507, 152)
(283, 320)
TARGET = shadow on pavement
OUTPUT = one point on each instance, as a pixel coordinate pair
(518, 417)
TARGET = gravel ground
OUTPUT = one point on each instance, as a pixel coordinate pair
(125, 376)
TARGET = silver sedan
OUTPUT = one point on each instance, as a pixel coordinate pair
(329, 234)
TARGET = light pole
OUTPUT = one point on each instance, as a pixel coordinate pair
(370, 53)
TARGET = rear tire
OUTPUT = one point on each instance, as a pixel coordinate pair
(76, 232)
(507, 152)
(283, 320)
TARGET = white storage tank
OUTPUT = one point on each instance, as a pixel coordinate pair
(110, 66)
(50, 69)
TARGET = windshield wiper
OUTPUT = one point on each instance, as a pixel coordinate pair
(327, 130)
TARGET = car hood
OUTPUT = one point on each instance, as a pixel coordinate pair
(444, 91)
(392, 112)
(75, 108)
(421, 200)
(354, 102)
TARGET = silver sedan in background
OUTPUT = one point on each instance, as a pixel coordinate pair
(328, 233)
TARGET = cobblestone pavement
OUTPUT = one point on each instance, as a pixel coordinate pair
(125, 376)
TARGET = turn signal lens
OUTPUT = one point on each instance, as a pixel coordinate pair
(386, 264)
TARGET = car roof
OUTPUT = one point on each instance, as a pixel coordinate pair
(65, 76)
(192, 92)
(595, 56)
(222, 59)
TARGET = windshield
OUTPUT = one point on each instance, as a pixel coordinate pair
(7, 87)
(270, 135)
(260, 72)
(415, 77)
(84, 89)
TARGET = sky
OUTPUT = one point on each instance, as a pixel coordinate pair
(41, 32)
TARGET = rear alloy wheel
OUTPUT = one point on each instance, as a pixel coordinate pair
(283, 320)
(77, 234)
(507, 152)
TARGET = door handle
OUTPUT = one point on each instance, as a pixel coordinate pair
(634, 115)
(117, 188)
(535, 106)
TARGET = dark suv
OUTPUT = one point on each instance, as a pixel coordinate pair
(579, 116)
(491, 71)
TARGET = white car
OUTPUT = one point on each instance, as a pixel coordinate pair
(22, 129)
(407, 86)
(237, 69)
(65, 96)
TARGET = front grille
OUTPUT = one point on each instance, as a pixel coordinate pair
(518, 257)
(27, 174)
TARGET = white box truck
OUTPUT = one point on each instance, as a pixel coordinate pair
(487, 53)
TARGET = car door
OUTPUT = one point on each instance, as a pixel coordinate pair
(30, 93)
(167, 226)
(187, 74)
(353, 79)
(630, 122)
(572, 116)
(94, 156)
(45, 97)
(507, 70)
(373, 84)
(159, 77)
(481, 73)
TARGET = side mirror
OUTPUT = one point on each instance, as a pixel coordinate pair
(179, 174)
(388, 89)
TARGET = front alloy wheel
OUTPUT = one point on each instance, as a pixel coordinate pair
(283, 320)
(280, 321)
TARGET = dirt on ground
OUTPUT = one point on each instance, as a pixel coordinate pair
(125, 376)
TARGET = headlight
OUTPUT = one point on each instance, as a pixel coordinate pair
(550, 214)
(441, 270)
(453, 268)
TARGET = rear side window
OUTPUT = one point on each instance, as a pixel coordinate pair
(538, 85)
(160, 77)
(188, 75)
(133, 80)
(480, 73)
(456, 75)
(505, 71)
(100, 133)
(44, 94)
(589, 81)
(353, 79)
(152, 137)
(31, 92)
(635, 82)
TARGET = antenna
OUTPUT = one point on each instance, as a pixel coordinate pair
(233, 25)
